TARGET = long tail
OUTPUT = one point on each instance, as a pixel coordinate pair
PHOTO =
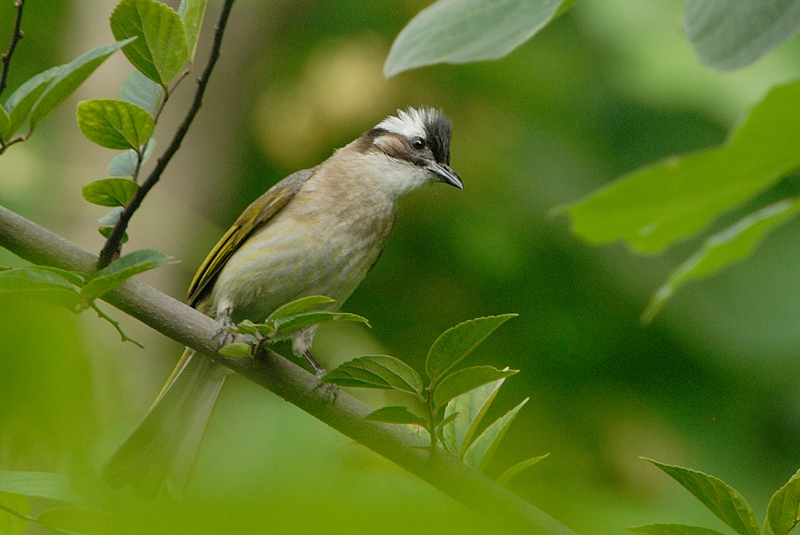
(162, 448)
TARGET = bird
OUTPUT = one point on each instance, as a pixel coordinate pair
(316, 232)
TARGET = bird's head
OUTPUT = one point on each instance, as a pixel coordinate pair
(414, 146)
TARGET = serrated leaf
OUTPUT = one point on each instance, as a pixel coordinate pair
(39, 484)
(480, 452)
(462, 381)
(457, 342)
(730, 34)
(110, 191)
(660, 204)
(518, 468)
(395, 415)
(79, 521)
(121, 269)
(783, 512)
(672, 529)
(307, 319)
(722, 500)
(140, 90)
(298, 305)
(238, 349)
(42, 285)
(124, 164)
(377, 371)
(724, 248)
(115, 124)
(461, 31)
(68, 78)
(471, 408)
(10, 524)
(21, 101)
(192, 12)
(160, 51)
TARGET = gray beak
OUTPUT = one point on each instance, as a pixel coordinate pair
(445, 174)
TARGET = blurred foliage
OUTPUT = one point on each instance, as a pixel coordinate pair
(609, 86)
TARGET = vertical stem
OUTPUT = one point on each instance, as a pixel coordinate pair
(15, 37)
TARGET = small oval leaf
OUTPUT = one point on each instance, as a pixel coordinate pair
(395, 415)
(20, 103)
(457, 342)
(462, 381)
(299, 305)
(378, 371)
(238, 350)
(192, 12)
(110, 191)
(44, 285)
(115, 124)
(160, 50)
(68, 78)
(124, 164)
(307, 319)
(121, 269)
(140, 90)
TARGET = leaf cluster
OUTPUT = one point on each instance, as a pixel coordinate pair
(729, 506)
(451, 406)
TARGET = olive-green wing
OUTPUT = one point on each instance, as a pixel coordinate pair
(254, 217)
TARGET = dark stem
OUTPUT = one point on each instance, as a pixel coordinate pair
(15, 37)
(112, 246)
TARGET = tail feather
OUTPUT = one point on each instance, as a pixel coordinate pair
(162, 449)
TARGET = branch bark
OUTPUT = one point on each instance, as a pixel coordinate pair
(277, 374)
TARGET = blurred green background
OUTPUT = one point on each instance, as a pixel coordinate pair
(610, 86)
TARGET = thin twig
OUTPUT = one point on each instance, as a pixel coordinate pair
(122, 335)
(15, 37)
(112, 246)
(4, 146)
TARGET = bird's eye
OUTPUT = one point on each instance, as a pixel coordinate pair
(418, 143)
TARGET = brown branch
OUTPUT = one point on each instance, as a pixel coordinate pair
(15, 37)
(345, 413)
(113, 244)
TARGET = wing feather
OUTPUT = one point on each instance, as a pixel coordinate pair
(253, 218)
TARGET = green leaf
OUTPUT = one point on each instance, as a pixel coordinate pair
(20, 102)
(471, 408)
(192, 12)
(106, 232)
(395, 415)
(462, 381)
(140, 90)
(10, 524)
(377, 372)
(458, 342)
(655, 206)
(512, 472)
(307, 319)
(238, 349)
(68, 78)
(5, 125)
(462, 31)
(480, 452)
(729, 34)
(672, 529)
(39, 484)
(121, 269)
(124, 164)
(298, 305)
(42, 285)
(110, 191)
(731, 245)
(783, 512)
(160, 51)
(79, 521)
(115, 124)
(721, 499)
